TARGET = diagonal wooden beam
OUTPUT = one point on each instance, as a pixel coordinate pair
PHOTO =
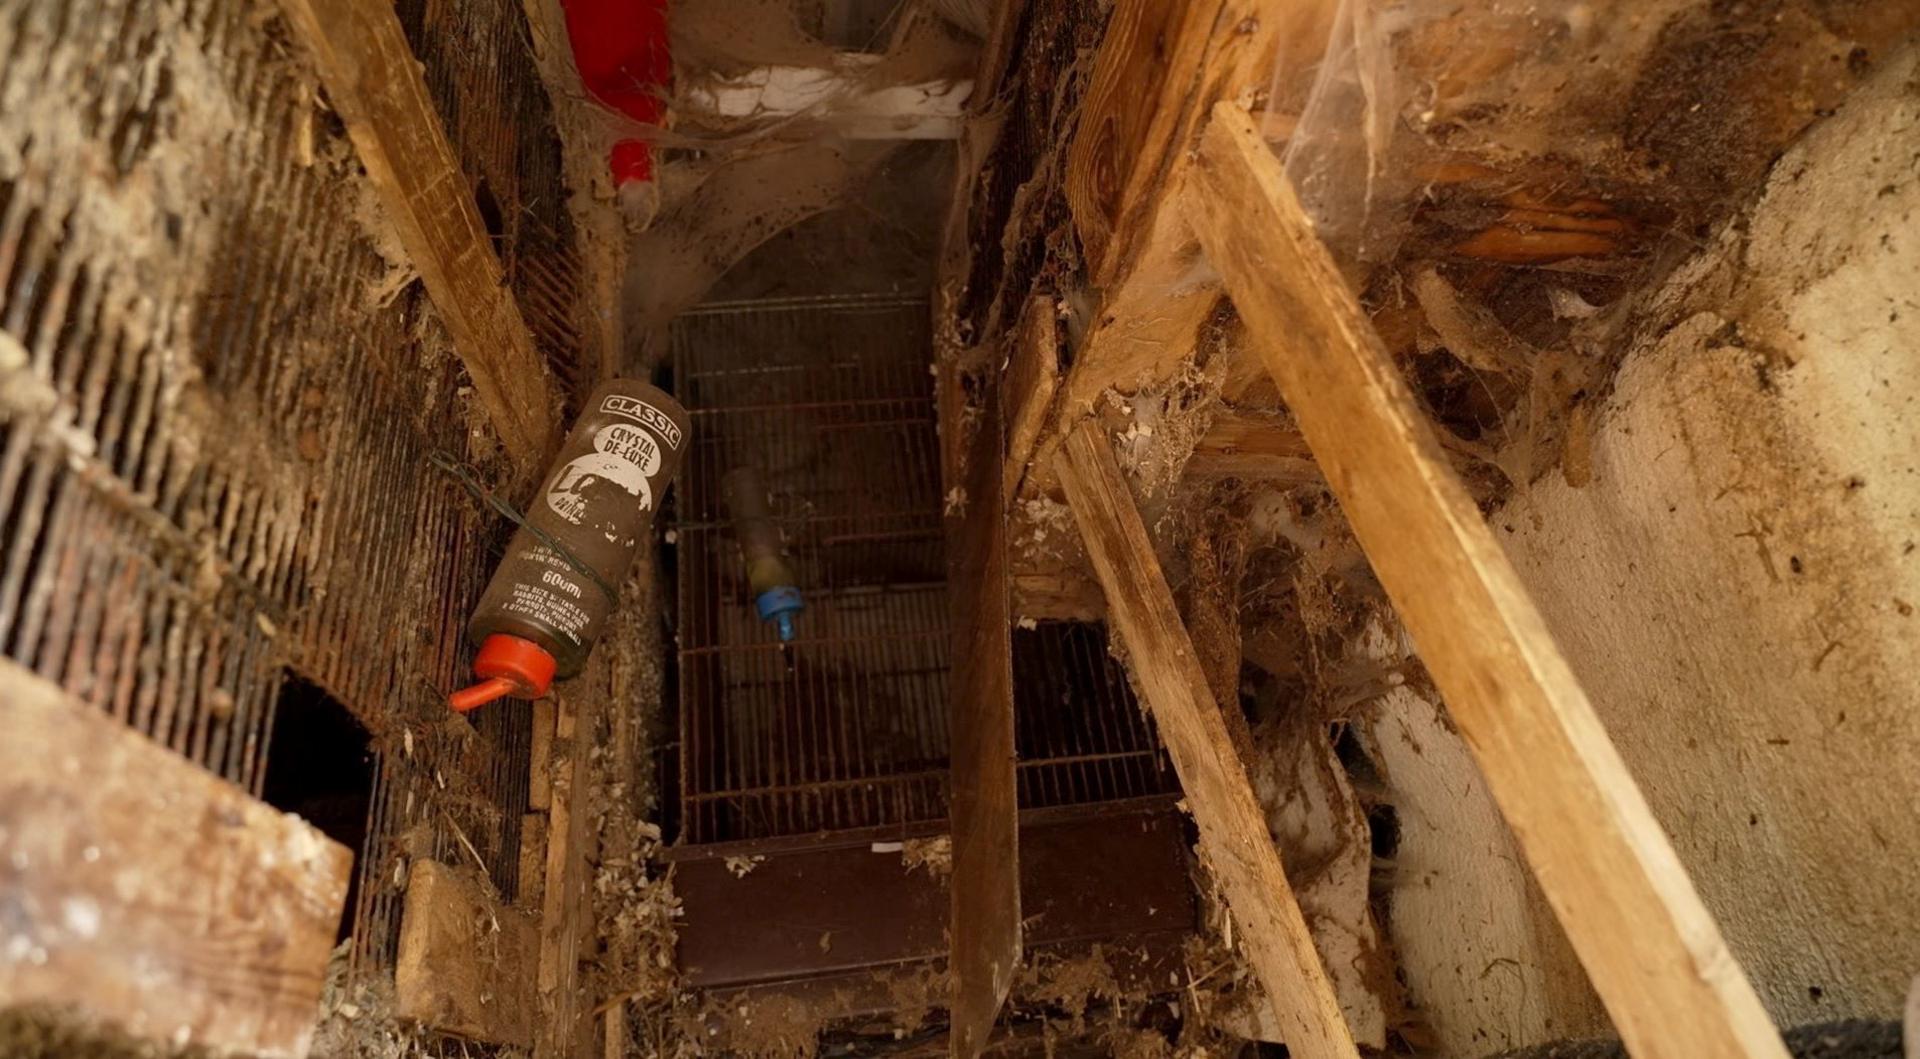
(1654, 954)
(1161, 65)
(376, 85)
(1167, 672)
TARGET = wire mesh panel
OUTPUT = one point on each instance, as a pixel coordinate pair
(1078, 731)
(217, 400)
(847, 726)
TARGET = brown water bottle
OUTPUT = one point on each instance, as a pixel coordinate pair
(545, 606)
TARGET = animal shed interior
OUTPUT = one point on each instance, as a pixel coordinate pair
(1195, 529)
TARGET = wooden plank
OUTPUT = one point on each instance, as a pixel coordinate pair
(463, 959)
(1161, 65)
(985, 931)
(139, 890)
(377, 86)
(1138, 105)
(1262, 447)
(532, 883)
(1253, 446)
(1032, 375)
(1059, 593)
(1147, 327)
(540, 757)
(1655, 956)
(614, 1040)
(563, 906)
(1167, 672)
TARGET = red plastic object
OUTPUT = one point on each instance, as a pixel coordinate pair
(508, 665)
(620, 48)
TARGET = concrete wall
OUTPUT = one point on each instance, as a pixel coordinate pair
(1737, 590)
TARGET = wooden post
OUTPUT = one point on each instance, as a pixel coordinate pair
(1032, 375)
(1167, 673)
(985, 807)
(1654, 954)
(377, 87)
(464, 959)
(564, 917)
(143, 891)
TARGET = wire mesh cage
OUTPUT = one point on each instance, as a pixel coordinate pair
(214, 440)
(846, 727)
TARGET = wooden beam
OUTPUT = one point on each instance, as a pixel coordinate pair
(985, 932)
(1167, 672)
(564, 917)
(540, 756)
(376, 85)
(139, 890)
(464, 959)
(1058, 593)
(1147, 327)
(1256, 447)
(1161, 65)
(1032, 375)
(531, 886)
(1655, 956)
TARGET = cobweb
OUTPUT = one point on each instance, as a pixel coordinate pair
(728, 183)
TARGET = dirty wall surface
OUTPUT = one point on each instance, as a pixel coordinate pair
(220, 389)
(1736, 589)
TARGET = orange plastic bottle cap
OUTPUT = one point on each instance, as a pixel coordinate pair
(507, 665)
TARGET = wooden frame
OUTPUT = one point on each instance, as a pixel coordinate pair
(1168, 674)
(1653, 952)
(984, 810)
(376, 85)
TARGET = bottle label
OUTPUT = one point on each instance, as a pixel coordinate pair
(641, 412)
(623, 455)
(555, 601)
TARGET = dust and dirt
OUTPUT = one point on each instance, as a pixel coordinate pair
(370, 213)
(40, 1032)
(1165, 423)
(357, 1021)
(635, 909)
(933, 854)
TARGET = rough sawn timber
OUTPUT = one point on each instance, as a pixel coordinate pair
(465, 959)
(378, 88)
(139, 890)
(1654, 954)
(985, 925)
(1160, 66)
(1233, 828)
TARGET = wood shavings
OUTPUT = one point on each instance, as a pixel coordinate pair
(934, 854)
(741, 867)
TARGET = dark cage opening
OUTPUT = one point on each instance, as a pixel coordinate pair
(320, 765)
